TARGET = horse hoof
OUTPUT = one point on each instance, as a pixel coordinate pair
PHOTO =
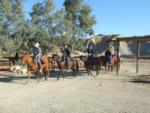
(46, 78)
(57, 79)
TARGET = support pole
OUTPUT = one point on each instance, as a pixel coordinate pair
(118, 56)
(137, 56)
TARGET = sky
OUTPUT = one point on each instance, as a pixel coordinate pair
(125, 17)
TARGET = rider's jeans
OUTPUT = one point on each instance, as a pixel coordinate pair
(37, 61)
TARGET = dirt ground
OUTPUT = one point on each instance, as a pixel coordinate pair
(105, 93)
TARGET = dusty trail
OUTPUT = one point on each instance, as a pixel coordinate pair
(83, 94)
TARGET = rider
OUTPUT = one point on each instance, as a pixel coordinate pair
(66, 55)
(37, 53)
(90, 52)
(108, 55)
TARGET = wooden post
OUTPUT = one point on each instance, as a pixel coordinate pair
(137, 56)
(118, 56)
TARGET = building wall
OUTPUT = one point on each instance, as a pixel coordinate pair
(126, 48)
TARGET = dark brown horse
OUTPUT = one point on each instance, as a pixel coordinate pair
(32, 67)
(13, 60)
(91, 63)
(72, 64)
(114, 62)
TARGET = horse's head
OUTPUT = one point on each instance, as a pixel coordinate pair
(83, 58)
(56, 57)
(26, 58)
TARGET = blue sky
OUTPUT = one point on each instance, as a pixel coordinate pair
(126, 17)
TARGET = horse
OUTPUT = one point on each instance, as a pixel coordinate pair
(13, 60)
(114, 62)
(72, 64)
(32, 67)
(90, 63)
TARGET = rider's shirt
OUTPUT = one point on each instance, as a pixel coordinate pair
(37, 52)
(107, 53)
(90, 51)
(66, 52)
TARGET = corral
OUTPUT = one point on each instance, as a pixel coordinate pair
(105, 93)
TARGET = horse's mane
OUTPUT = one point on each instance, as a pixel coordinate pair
(56, 57)
(27, 58)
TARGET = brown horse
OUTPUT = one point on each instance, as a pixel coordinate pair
(114, 62)
(32, 67)
(91, 63)
(72, 64)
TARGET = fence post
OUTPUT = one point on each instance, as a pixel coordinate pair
(118, 44)
(137, 56)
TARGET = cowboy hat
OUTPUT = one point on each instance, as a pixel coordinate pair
(36, 44)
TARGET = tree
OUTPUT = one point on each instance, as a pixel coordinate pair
(78, 15)
(86, 20)
(11, 20)
(49, 27)
(42, 15)
(43, 19)
(11, 15)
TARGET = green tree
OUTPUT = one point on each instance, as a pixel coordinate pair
(78, 15)
(43, 16)
(43, 19)
(11, 20)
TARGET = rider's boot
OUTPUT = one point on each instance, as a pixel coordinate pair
(40, 69)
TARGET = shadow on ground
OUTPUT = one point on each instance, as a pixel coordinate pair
(6, 77)
(144, 79)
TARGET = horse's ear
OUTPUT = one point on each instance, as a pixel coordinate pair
(22, 52)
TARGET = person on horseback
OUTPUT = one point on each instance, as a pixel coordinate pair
(37, 53)
(90, 52)
(108, 55)
(66, 55)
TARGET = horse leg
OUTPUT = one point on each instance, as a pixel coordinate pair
(37, 76)
(63, 74)
(97, 69)
(28, 76)
(58, 75)
(87, 71)
(46, 73)
(109, 66)
(73, 72)
(77, 66)
(112, 67)
(106, 68)
(62, 67)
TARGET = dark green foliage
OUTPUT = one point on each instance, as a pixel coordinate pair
(48, 27)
